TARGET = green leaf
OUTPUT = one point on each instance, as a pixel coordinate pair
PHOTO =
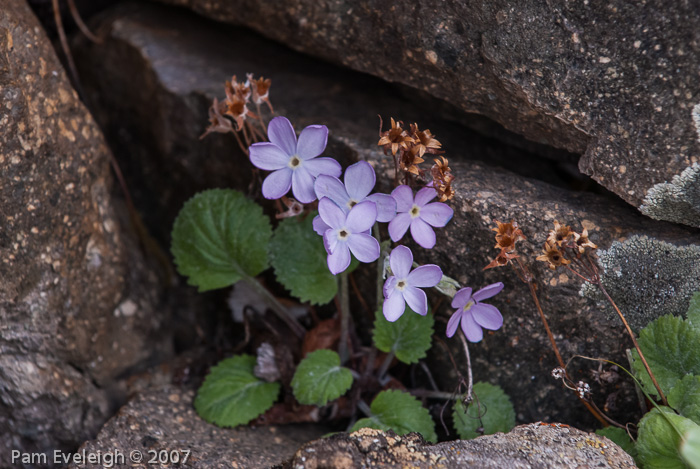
(400, 412)
(319, 378)
(492, 405)
(690, 448)
(232, 395)
(299, 259)
(620, 437)
(659, 438)
(672, 349)
(219, 237)
(685, 398)
(693, 314)
(409, 337)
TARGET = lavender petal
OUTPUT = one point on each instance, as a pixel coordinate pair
(401, 261)
(268, 156)
(422, 233)
(328, 166)
(303, 185)
(436, 214)
(359, 180)
(331, 214)
(312, 141)
(394, 306)
(404, 198)
(487, 316)
(399, 225)
(320, 226)
(425, 276)
(364, 247)
(462, 297)
(471, 329)
(389, 286)
(331, 187)
(362, 216)
(386, 207)
(424, 196)
(339, 260)
(416, 299)
(488, 291)
(281, 133)
(277, 183)
(453, 323)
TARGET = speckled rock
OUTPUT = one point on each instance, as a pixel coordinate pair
(183, 72)
(613, 81)
(77, 302)
(162, 423)
(524, 447)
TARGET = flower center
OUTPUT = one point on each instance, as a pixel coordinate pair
(294, 162)
(352, 203)
(415, 211)
(468, 306)
(400, 285)
(343, 234)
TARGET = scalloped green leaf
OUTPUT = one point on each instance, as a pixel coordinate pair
(672, 349)
(491, 409)
(690, 448)
(219, 237)
(409, 337)
(299, 259)
(659, 438)
(685, 397)
(232, 395)
(620, 437)
(693, 314)
(400, 412)
(319, 378)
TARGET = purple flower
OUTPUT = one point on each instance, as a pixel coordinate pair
(348, 233)
(359, 182)
(293, 163)
(474, 315)
(404, 287)
(418, 214)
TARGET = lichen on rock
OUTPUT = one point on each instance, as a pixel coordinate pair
(676, 201)
(647, 278)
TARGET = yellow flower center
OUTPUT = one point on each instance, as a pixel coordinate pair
(294, 162)
(468, 306)
(415, 211)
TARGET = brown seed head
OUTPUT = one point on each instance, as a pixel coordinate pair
(424, 141)
(552, 256)
(395, 138)
(260, 89)
(442, 179)
(217, 121)
(502, 259)
(560, 234)
(582, 241)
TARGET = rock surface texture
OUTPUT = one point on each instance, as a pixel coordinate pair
(77, 301)
(182, 73)
(162, 423)
(612, 81)
(524, 447)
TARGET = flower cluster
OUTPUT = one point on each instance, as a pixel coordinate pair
(408, 147)
(348, 209)
(563, 245)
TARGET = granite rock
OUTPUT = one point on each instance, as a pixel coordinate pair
(524, 447)
(77, 299)
(155, 122)
(611, 81)
(161, 423)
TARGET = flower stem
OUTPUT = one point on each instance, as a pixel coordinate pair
(434, 394)
(344, 318)
(634, 341)
(470, 380)
(362, 405)
(275, 305)
(385, 365)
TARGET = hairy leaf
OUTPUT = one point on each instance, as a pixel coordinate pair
(690, 448)
(232, 395)
(319, 378)
(299, 259)
(672, 349)
(659, 438)
(220, 236)
(400, 412)
(491, 409)
(409, 337)
(694, 310)
(685, 398)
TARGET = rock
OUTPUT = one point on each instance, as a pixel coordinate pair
(614, 82)
(167, 110)
(524, 447)
(162, 423)
(77, 299)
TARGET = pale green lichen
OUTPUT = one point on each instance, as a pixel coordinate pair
(677, 201)
(647, 278)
